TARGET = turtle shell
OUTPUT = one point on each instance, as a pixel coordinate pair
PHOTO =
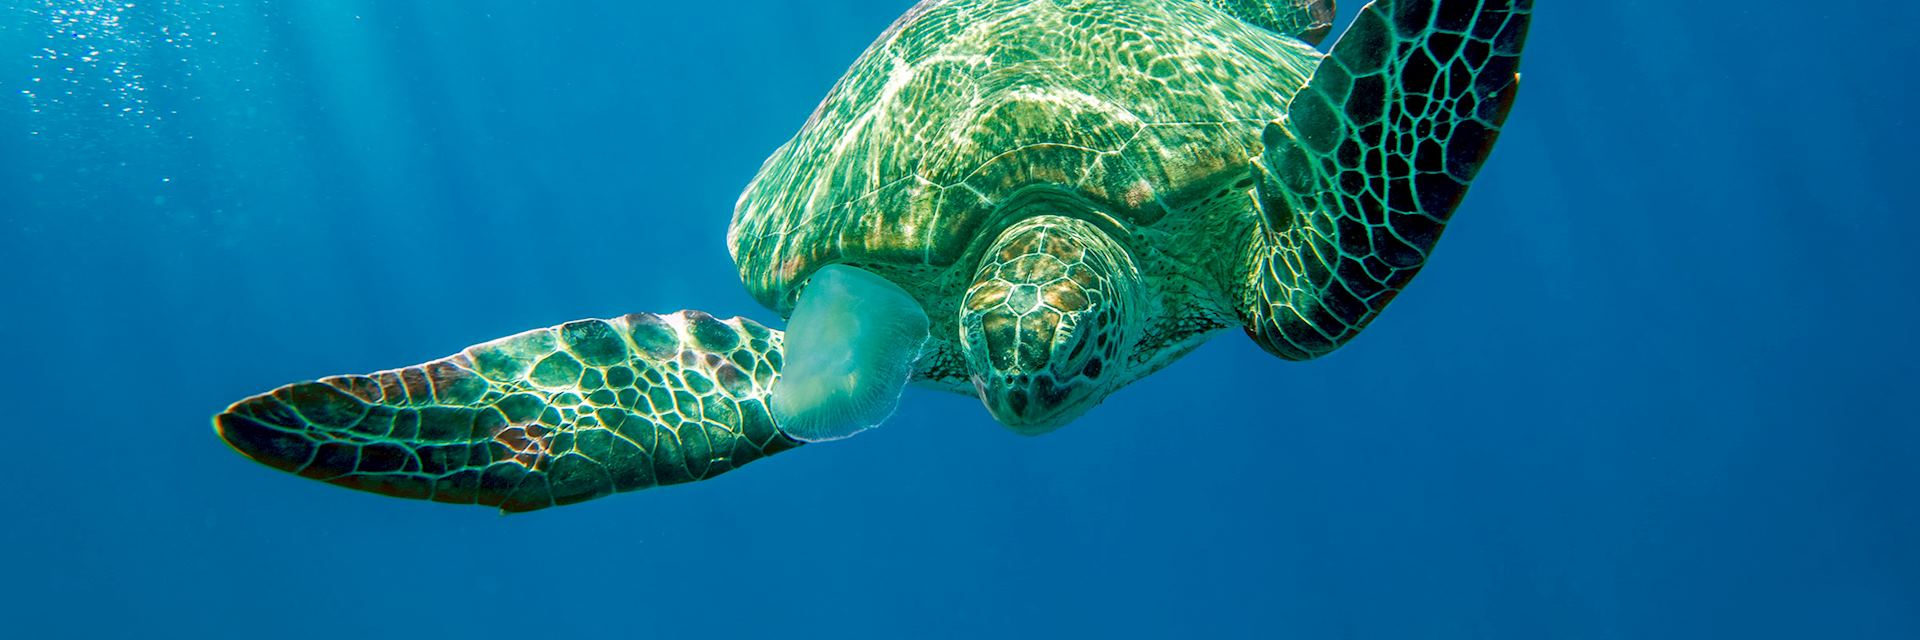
(908, 166)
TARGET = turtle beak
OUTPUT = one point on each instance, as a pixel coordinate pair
(1034, 404)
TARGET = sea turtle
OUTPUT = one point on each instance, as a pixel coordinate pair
(1037, 201)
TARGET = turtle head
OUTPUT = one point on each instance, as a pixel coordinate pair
(1044, 327)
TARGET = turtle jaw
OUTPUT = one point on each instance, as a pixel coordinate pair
(1039, 370)
(1034, 405)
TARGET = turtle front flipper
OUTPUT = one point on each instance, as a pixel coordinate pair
(1371, 159)
(548, 417)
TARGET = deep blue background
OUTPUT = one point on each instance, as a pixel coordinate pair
(1657, 383)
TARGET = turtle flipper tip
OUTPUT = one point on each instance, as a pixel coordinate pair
(247, 434)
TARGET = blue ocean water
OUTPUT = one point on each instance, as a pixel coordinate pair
(1657, 382)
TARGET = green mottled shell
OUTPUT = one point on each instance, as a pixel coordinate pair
(960, 107)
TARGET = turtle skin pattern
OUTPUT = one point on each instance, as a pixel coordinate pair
(1373, 157)
(1308, 20)
(548, 417)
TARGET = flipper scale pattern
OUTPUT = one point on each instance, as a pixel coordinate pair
(548, 417)
(1361, 176)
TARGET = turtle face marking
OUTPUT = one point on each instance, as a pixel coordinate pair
(1045, 322)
